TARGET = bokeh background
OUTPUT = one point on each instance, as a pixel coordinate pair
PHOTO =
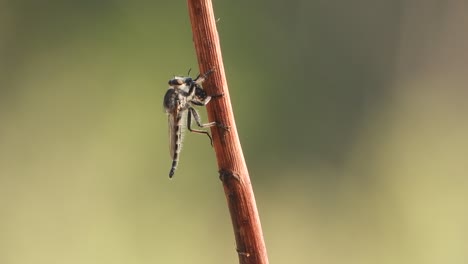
(352, 116)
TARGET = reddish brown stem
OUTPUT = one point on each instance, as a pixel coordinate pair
(232, 168)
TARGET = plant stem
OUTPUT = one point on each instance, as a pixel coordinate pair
(232, 168)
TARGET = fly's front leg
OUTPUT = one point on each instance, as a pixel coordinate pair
(217, 95)
(200, 78)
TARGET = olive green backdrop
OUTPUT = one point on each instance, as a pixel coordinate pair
(352, 116)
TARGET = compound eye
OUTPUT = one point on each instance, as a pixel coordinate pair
(175, 82)
(188, 80)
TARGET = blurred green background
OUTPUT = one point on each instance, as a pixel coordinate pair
(352, 116)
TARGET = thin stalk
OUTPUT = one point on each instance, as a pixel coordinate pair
(231, 163)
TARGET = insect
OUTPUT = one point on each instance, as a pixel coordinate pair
(182, 95)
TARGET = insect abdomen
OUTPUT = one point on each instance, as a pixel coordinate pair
(176, 142)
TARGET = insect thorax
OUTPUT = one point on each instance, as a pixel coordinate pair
(183, 90)
(177, 95)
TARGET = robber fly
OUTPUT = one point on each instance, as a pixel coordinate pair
(182, 95)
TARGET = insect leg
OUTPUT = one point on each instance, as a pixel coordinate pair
(195, 114)
(217, 95)
(198, 119)
(200, 78)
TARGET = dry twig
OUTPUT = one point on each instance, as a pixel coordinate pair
(232, 168)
